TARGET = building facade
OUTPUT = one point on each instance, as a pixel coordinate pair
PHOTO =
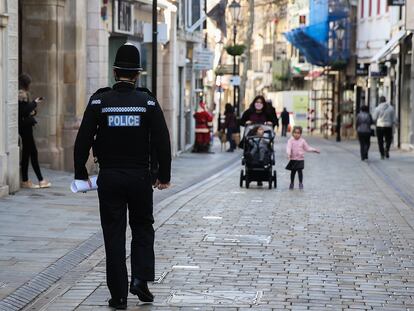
(384, 49)
(68, 48)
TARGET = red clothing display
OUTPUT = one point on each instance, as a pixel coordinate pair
(204, 121)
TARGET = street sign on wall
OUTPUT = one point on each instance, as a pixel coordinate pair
(396, 2)
(162, 36)
(235, 80)
(203, 59)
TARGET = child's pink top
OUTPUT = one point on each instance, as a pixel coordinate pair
(296, 148)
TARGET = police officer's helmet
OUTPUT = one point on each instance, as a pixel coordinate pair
(128, 58)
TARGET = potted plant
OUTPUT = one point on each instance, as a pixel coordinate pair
(235, 50)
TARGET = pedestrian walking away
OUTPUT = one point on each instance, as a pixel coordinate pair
(285, 121)
(124, 125)
(295, 149)
(385, 118)
(230, 126)
(27, 112)
(363, 124)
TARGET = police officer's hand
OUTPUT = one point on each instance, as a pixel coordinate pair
(161, 186)
(89, 182)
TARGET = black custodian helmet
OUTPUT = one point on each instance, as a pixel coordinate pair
(128, 58)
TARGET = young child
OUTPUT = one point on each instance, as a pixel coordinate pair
(260, 145)
(296, 148)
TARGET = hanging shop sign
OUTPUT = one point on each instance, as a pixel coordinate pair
(396, 2)
(362, 70)
(378, 70)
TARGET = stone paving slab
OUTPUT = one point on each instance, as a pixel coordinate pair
(37, 227)
(344, 243)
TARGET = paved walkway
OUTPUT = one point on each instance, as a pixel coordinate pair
(344, 243)
(38, 227)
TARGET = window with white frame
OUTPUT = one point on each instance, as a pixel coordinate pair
(190, 12)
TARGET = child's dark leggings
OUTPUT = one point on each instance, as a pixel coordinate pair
(292, 176)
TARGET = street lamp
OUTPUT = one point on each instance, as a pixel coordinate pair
(154, 47)
(340, 34)
(235, 12)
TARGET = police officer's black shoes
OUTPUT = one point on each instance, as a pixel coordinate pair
(118, 303)
(140, 288)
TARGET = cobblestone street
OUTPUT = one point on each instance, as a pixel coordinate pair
(344, 243)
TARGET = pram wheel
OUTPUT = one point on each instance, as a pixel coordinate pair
(270, 181)
(241, 178)
(274, 179)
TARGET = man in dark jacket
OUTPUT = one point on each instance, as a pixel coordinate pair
(285, 121)
(126, 126)
(272, 111)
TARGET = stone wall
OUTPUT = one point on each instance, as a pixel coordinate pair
(9, 150)
(65, 50)
(97, 47)
(43, 59)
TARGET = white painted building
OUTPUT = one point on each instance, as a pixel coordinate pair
(384, 56)
(298, 16)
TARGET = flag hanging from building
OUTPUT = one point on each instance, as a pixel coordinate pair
(218, 15)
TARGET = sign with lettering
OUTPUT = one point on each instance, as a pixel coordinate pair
(396, 2)
(203, 59)
(124, 120)
(362, 70)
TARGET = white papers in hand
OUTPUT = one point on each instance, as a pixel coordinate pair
(83, 186)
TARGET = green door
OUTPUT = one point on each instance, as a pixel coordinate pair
(114, 44)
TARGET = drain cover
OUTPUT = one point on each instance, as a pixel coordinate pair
(235, 239)
(214, 298)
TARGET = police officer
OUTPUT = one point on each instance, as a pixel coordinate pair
(125, 125)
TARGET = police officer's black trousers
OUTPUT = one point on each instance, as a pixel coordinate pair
(119, 190)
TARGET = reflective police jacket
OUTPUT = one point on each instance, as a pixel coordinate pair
(124, 125)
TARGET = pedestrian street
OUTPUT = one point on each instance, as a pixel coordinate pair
(343, 243)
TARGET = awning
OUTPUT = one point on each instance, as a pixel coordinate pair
(390, 46)
(164, 4)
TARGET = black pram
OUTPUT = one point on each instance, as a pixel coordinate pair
(258, 156)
